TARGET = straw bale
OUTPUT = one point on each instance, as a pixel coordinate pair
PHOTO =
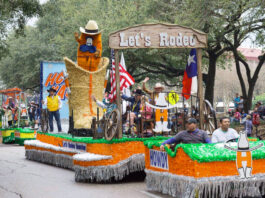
(80, 83)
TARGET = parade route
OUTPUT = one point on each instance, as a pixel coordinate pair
(21, 178)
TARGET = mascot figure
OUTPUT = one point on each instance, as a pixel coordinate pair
(86, 78)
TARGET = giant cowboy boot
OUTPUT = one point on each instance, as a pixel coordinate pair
(83, 84)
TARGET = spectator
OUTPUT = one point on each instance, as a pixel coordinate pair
(241, 104)
(191, 135)
(236, 100)
(237, 116)
(194, 111)
(224, 133)
(259, 109)
(247, 125)
(185, 110)
(256, 119)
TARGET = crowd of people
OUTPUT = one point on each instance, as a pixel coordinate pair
(251, 119)
(138, 109)
(28, 115)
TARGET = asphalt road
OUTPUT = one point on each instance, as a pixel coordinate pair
(21, 178)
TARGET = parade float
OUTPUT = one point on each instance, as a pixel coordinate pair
(112, 156)
(16, 133)
(204, 170)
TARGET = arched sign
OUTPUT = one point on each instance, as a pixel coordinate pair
(157, 36)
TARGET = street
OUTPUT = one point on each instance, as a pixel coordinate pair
(21, 178)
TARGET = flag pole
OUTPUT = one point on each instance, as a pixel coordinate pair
(118, 93)
(200, 91)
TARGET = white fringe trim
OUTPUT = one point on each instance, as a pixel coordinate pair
(223, 187)
(38, 143)
(60, 160)
(106, 173)
(91, 157)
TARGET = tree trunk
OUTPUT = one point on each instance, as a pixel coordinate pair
(248, 103)
(209, 90)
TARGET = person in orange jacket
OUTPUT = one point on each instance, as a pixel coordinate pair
(89, 46)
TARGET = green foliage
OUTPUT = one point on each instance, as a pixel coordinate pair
(14, 15)
(90, 140)
(258, 98)
(53, 37)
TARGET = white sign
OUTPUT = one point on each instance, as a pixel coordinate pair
(158, 159)
(74, 145)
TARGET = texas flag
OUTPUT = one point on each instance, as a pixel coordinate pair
(190, 76)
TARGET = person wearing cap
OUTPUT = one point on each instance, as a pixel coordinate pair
(89, 46)
(135, 105)
(54, 104)
(191, 135)
(224, 133)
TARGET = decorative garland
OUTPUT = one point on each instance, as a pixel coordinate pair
(207, 152)
(90, 140)
(90, 157)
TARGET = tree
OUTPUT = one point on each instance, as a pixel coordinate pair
(250, 21)
(14, 15)
(52, 39)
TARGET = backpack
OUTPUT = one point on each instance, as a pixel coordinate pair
(256, 119)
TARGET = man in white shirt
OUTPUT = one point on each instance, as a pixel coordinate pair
(224, 133)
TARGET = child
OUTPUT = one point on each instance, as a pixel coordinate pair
(248, 125)
(146, 111)
(237, 115)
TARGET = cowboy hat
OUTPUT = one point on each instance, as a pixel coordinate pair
(139, 92)
(91, 28)
(51, 89)
(159, 85)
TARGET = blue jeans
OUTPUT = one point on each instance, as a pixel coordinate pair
(56, 115)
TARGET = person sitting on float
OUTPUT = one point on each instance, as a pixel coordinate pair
(146, 111)
(191, 135)
(224, 133)
(153, 94)
(105, 104)
(135, 105)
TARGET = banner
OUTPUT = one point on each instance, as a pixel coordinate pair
(51, 75)
(158, 159)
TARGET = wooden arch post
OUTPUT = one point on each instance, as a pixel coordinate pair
(158, 35)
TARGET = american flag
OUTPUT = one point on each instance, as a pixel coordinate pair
(126, 80)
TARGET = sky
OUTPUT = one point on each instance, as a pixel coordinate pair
(33, 20)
